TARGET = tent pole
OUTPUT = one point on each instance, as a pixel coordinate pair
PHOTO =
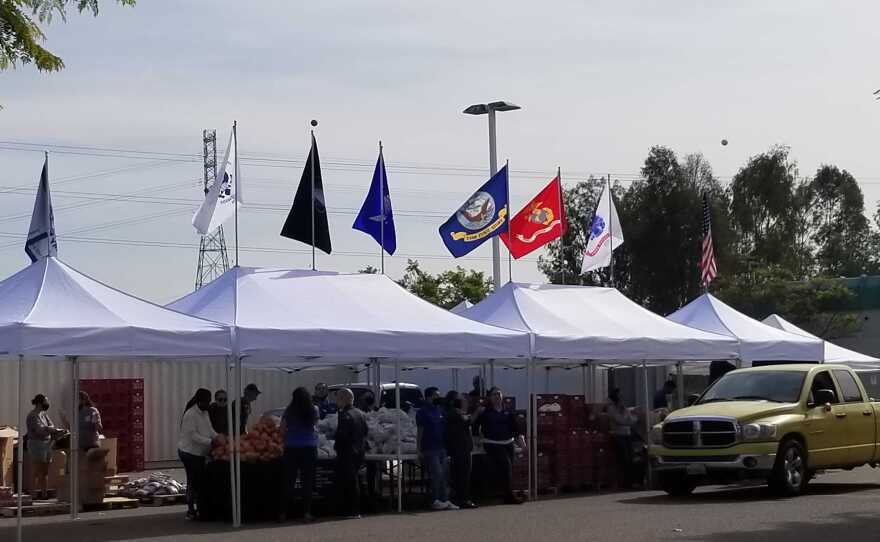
(647, 414)
(237, 450)
(491, 373)
(20, 459)
(229, 418)
(533, 404)
(584, 381)
(399, 459)
(529, 415)
(73, 463)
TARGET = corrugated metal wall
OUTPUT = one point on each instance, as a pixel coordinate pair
(168, 384)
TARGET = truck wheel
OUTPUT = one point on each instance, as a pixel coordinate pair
(790, 473)
(677, 485)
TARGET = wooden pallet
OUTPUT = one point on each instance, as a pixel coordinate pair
(163, 500)
(112, 503)
(38, 508)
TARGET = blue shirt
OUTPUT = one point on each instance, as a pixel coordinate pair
(431, 421)
(299, 434)
(497, 425)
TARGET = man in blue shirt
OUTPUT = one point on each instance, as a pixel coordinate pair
(431, 422)
(499, 430)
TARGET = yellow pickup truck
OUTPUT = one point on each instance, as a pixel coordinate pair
(780, 423)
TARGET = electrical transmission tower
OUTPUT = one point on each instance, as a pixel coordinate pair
(213, 260)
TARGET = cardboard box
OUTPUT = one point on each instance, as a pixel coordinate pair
(110, 444)
(7, 462)
(92, 483)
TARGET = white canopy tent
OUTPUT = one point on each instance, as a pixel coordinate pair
(833, 353)
(757, 341)
(591, 323)
(50, 309)
(461, 307)
(294, 318)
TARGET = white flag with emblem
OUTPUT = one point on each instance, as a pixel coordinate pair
(605, 234)
(223, 196)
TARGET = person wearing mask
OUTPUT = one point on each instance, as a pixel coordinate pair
(300, 450)
(194, 445)
(218, 413)
(663, 395)
(459, 445)
(500, 432)
(430, 423)
(322, 400)
(251, 392)
(90, 427)
(622, 419)
(40, 432)
(351, 446)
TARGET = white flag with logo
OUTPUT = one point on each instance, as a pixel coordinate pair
(41, 241)
(605, 234)
(223, 196)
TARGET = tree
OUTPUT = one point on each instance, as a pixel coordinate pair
(764, 211)
(841, 232)
(447, 289)
(21, 35)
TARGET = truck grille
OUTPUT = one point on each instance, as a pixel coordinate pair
(698, 433)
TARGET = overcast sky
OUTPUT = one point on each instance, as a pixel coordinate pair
(599, 82)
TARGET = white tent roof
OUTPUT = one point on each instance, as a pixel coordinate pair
(588, 323)
(50, 309)
(280, 314)
(757, 341)
(461, 307)
(833, 353)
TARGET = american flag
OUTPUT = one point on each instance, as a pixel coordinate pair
(707, 259)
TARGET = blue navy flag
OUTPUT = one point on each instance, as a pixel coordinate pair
(483, 216)
(41, 241)
(376, 218)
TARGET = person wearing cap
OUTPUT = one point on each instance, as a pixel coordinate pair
(251, 392)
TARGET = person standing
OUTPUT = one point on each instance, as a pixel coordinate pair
(251, 392)
(459, 445)
(622, 419)
(194, 445)
(500, 432)
(351, 447)
(322, 400)
(663, 395)
(300, 450)
(218, 413)
(430, 422)
(40, 432)
(89, 419)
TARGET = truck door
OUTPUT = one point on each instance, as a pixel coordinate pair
(826, 430)
(859, 419)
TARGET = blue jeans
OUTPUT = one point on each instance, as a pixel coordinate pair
(435, 460)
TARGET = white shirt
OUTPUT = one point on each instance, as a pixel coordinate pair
(196, 433)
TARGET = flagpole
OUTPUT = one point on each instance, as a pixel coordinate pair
(381, 209)
(236, 185)
(611, 232)
(561, 225)
(312, 193)
(509, 233)
(48, 210)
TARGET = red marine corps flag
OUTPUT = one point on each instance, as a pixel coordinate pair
(539, 222)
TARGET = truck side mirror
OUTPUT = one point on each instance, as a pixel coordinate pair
(692, 398)
(824, 397)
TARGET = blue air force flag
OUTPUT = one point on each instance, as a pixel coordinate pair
(483, 216)
(376, 218)
(41, 242)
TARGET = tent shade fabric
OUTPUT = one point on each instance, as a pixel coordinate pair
(50, 309)
(317, 318)
(600, 324)
(833, 353)
(757, 341)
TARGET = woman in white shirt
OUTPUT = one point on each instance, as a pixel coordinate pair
(194, 445)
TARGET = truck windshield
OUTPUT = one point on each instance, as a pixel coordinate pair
(776, 386)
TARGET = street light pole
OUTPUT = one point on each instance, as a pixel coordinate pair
(489, 110)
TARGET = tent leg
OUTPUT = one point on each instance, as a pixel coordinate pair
(399, 411)
(584, 381)
(237, 431)
(232, 496)
(533, 408)
(647, 418)
(529, 439)
(20, 459)
(73, 463)
(491, 373)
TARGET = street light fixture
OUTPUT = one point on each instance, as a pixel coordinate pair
(490, 109)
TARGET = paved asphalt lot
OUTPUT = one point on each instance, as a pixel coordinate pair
(840, 506)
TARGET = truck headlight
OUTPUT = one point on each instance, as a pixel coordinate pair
(758, 431)
(657, 434)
